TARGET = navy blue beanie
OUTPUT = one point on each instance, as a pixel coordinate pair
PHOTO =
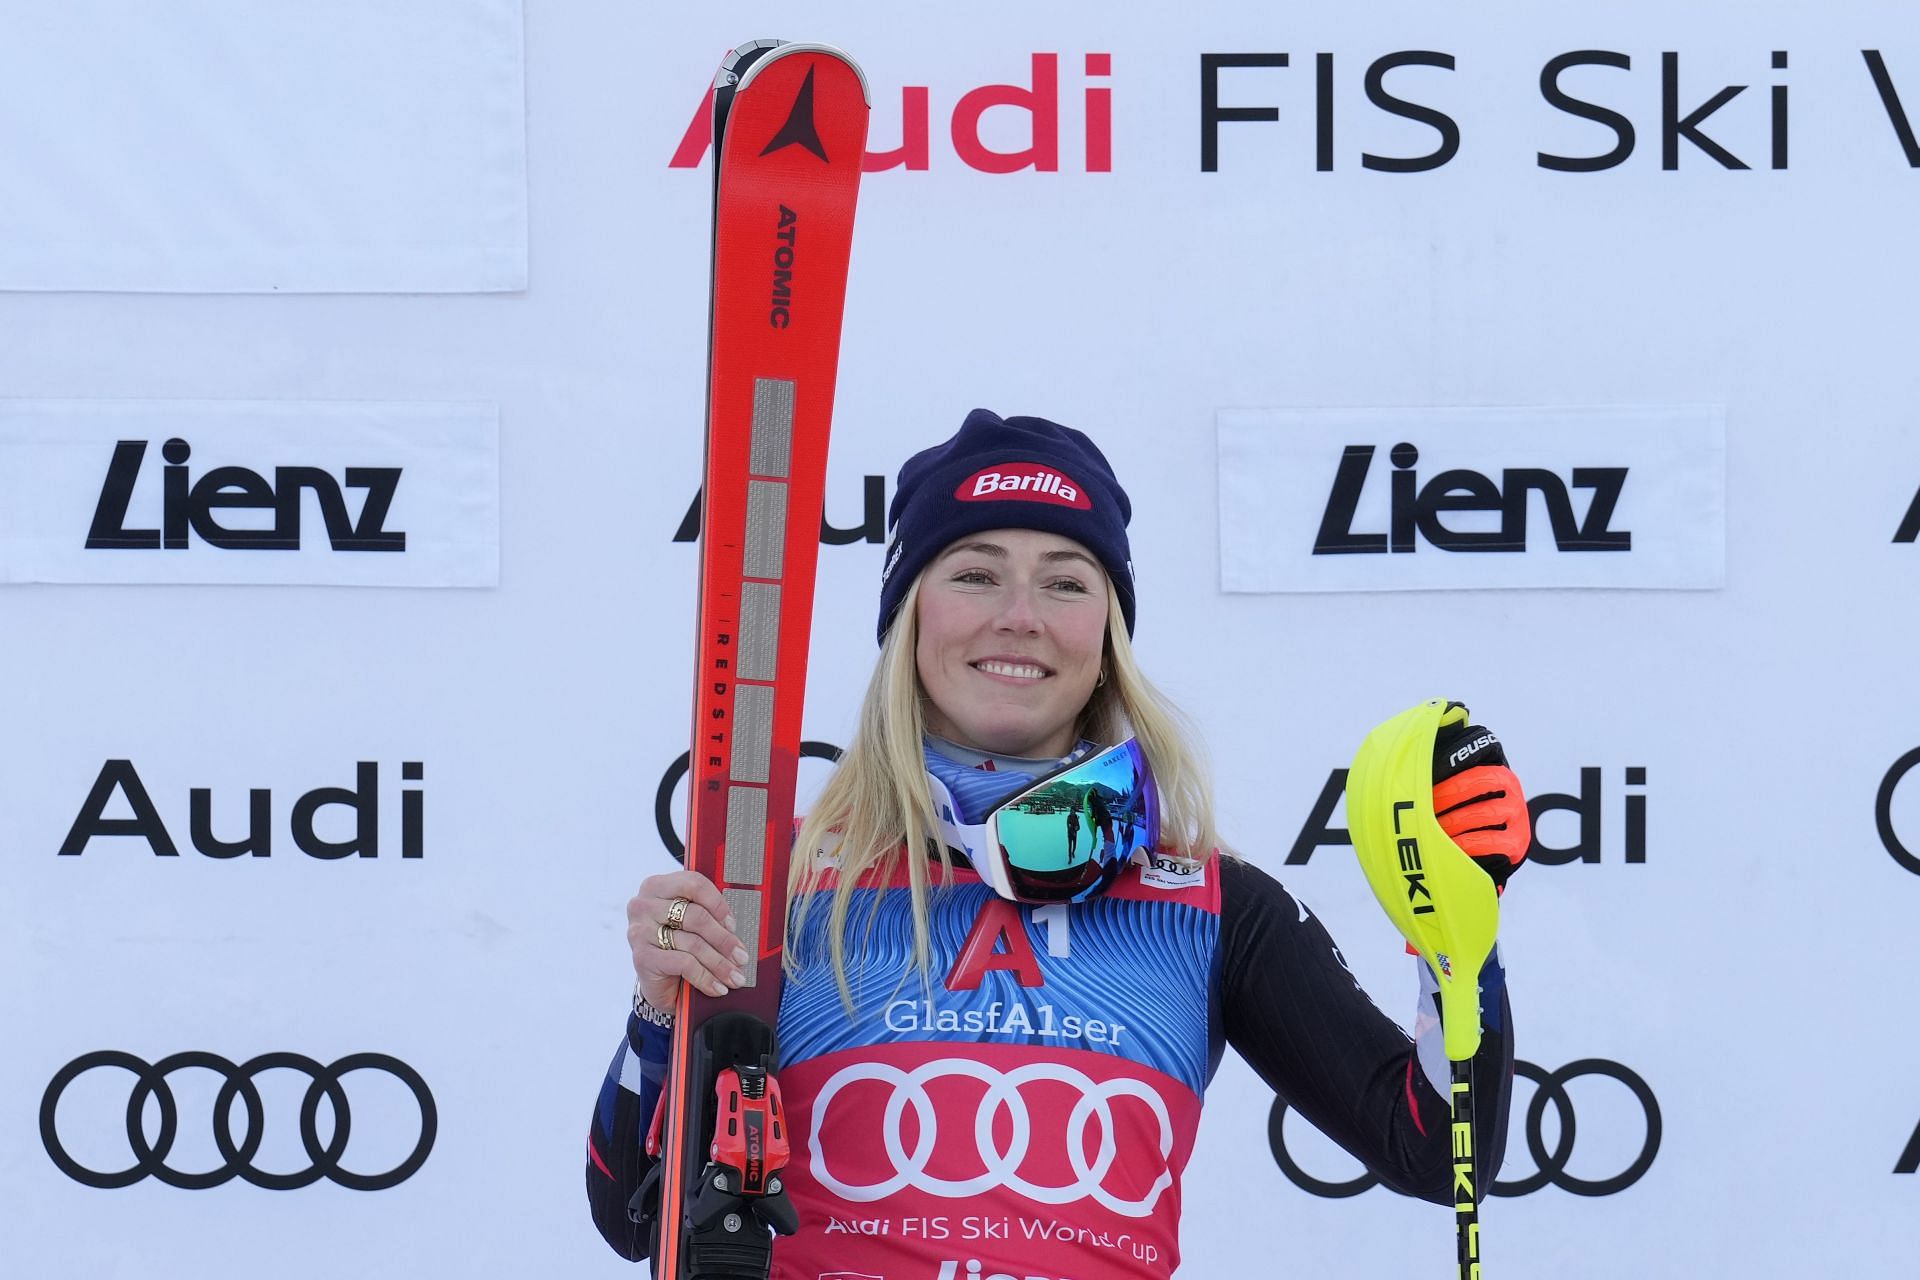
(1012, 473)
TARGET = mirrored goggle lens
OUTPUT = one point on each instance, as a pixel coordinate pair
(1060, 838)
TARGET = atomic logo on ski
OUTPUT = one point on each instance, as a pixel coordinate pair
(799, 130)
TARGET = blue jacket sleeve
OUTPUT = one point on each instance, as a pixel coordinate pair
(617, 1160)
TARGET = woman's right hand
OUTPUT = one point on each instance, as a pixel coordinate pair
(705, 951)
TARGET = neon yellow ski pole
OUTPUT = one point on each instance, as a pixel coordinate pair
(1443, 905)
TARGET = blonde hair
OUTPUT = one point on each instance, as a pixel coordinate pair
(876, 811)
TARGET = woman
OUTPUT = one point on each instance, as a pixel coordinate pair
(993, 1053)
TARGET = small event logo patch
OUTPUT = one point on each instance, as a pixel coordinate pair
(1163, 871)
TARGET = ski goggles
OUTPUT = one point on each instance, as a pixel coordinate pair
(1067, 835)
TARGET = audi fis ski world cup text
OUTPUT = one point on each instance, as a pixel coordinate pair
(1276, 107)
(190, 507)
(993, 1230)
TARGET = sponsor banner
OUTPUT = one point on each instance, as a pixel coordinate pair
(227, 146)
(1462, 498)
(317, 493)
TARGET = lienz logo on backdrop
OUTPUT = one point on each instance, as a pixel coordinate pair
(1466, 498)
(250, 491)
(193, 506)
(1418, 512)
(327, 822)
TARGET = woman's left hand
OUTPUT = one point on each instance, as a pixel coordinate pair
(682, 908)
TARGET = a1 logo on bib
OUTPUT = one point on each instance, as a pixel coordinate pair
(1165, 871)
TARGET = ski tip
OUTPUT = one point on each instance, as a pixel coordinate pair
(733, 67)
(739, 68)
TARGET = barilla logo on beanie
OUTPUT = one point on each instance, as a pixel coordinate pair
(1023, 482)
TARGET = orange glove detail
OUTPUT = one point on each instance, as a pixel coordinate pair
(1478, 801)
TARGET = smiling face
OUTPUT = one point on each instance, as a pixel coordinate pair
(1012, 628)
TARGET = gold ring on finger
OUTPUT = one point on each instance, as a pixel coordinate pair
(663, 939)
(677, 913)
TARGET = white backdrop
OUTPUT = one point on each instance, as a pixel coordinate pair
(1738, 941)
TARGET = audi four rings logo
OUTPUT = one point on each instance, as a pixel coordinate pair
(1001, 1167)
(1550, 1162)
(236, 1154)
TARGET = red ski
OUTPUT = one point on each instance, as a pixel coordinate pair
(790, 128)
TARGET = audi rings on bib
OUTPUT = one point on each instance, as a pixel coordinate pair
(1550, 1163)
(1001, 1167)
(237, 1156)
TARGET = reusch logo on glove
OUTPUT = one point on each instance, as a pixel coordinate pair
(1471, 749)
(1025, 482)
